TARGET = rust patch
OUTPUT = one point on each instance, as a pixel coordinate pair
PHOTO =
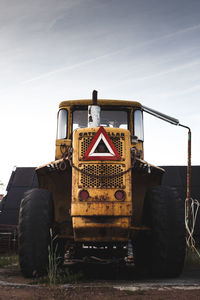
(100, 219)
(101, 198)
(98, 234)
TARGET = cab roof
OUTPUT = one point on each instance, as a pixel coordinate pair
(101, 102)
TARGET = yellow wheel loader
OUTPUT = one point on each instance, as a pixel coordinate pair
(100, 197)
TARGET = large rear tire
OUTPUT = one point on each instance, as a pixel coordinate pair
(165, 214)
(35, 220)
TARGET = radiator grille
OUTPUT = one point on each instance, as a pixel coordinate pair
(85, 141)
(104, 169)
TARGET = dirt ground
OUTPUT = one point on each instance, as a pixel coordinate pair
(91, 293)
(117, 285)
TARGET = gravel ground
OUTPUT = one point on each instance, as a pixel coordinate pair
(102, 282)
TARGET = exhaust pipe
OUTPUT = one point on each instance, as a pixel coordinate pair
(94, 112)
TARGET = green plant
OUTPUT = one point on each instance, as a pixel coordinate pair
(192, 256)
(55, 274)
(53, 270)
(68, 276)
(8, 259)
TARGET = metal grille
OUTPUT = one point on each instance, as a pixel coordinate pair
(103, 169)
(86, 140)
(118, 145)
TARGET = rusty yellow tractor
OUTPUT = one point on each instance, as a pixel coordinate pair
(100, 198)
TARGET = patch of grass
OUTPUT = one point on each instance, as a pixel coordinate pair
(53, 270)
(67, 276)
(8, 259)
(55, 273)
(62, 276)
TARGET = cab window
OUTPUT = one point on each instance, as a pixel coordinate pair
(109, 118)
(62, 124)
(138, 125)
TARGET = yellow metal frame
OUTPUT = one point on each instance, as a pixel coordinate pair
(102, 218)
(70, 105)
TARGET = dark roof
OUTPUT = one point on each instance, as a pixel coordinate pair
(21, 180)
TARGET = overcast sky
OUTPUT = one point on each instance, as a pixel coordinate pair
(54, 50)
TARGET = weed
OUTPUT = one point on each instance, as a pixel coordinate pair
(52, 273)
(67, 276)
(9, 259)
(63, 276)
(192, 258)
(55, 274)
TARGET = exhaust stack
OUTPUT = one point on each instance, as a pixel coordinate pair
(94, 112)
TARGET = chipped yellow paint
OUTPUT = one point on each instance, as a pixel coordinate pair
(70, 105)
(101, 102)
(109, 230)
(101, 218)
(101, 203)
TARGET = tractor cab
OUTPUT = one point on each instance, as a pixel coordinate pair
(124, 115)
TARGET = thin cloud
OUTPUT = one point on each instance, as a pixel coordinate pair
(167, 71)
(169, 36)
(74, 66)
(182, 92)
(182, 31)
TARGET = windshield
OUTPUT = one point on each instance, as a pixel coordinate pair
(109, 118)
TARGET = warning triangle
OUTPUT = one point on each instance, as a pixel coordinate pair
(101, 147)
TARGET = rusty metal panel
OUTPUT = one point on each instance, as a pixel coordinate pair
(58, 181)
(103, 229)
(144, 176)
(102, 208)
(101, 179)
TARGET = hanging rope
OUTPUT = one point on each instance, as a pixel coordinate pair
(190, 223)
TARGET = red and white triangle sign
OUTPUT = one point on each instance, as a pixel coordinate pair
(101, 147)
